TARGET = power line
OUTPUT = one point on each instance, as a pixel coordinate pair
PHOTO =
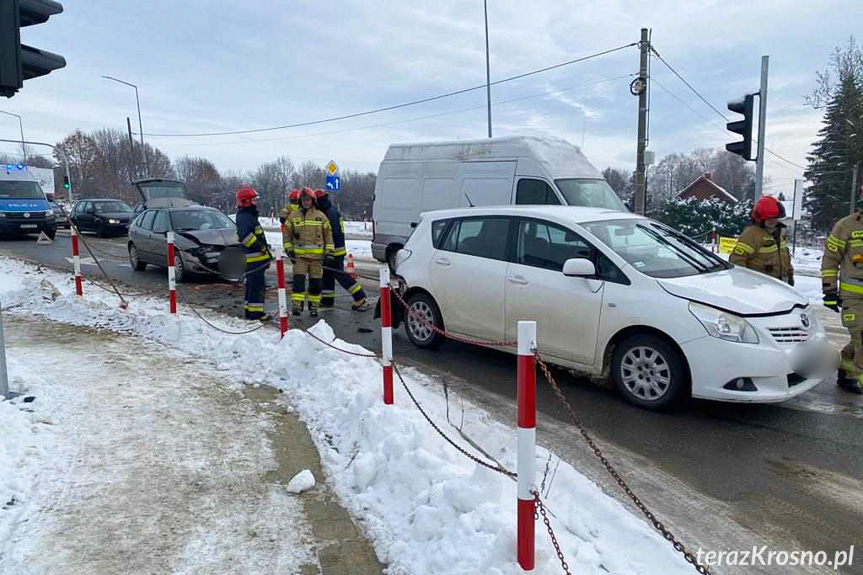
(395, 106)
(418, 118)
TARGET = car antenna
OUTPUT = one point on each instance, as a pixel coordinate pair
(470, 203)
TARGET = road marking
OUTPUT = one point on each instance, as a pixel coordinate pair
(84, 261)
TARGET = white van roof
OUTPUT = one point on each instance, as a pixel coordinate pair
(559, 158)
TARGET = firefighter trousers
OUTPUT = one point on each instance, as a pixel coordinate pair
(852, 354)
(256, 287)
(335, 272)
(312, 268)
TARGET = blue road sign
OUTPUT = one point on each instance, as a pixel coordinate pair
(334, 183)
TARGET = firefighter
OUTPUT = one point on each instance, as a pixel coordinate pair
(308, 238)
(334, 265)
(293, 204)
(257, 252)
(762, 245)
(842, 284)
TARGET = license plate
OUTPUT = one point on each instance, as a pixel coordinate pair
(29, 226)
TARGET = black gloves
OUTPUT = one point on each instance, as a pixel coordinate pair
(832, 300)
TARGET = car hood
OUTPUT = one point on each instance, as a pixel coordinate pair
(737, 290)
(220, 237)
(122, 216)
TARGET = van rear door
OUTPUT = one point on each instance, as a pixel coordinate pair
(486, 183)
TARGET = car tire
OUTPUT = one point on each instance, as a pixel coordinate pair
(135, 259)
(420, 332)
(649, 372)
(100, 229)
(180, 274)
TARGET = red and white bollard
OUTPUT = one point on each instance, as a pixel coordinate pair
(76, 262)
(526, 394)
(386, 335)
(172, 278)
(283, 296)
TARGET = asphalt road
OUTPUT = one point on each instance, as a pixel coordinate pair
(722, 476)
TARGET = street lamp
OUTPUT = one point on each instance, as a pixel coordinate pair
(20, 125)
(140, 124)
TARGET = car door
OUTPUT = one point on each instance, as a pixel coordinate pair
(83, 216)
(566, 309)
(158, 243)
(142, 237)
(467, 275)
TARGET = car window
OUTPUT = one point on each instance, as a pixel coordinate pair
(481, 237)
(112, 207)
(200, 220)
(548, 246)
(591, 193)
(20, 190)
(536, 192)
(160, 224)
(147, 220)
(438, 228)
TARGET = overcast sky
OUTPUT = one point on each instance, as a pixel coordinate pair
(223, 65)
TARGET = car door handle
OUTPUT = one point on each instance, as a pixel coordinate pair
(517, 280)
(442, 262)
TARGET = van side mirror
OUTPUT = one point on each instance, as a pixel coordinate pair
(579, 267)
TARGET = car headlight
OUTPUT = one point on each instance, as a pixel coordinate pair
(2, 214)
(723, 325)
(49, 213)
(113, 221)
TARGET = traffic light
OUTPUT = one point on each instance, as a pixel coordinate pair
(66, 185)
(19, 62)
(742, 127)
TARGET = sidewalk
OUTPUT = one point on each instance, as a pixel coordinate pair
(136, 459)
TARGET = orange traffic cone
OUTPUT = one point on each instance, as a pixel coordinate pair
(351, 268)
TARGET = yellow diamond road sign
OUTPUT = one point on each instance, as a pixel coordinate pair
(332, 168)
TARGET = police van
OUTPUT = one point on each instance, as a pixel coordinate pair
(24, 207)
(417, 178)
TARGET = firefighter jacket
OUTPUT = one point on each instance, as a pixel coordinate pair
(252, 236)
(842, 264)
(764, 251)
(337, 224)
(308, 234)
(285, 213)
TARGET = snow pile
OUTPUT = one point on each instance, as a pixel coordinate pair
(428, 509)
(302, 481)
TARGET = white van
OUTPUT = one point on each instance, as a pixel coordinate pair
(417, 178)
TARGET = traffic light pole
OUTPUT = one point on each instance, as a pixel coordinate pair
(640, 166)
(762, 123)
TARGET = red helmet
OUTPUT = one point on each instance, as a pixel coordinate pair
(246, 197)
(767, 208)
(294, 196)
(320, 194)
(307, 192)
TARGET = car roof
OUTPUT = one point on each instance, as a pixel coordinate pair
(101, 200)
(184, 208)
(573, 214)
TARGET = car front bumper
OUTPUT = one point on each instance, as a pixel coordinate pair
(714, 363)
(27, 225)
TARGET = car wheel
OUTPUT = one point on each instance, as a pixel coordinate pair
(100, 229)
(422, 314)
(649, 372)
(180, 274)
(135, 259)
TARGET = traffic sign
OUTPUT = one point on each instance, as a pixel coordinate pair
(334, 183)
(332, 168)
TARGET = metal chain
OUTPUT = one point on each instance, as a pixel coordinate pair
(541, 508)
(444, 333)
(657, 524)
(498, 468)
(369, 355)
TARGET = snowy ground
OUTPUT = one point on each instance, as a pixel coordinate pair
(428, 509)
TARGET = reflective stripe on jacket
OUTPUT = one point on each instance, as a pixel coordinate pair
(842, 263)
(307, 233)
(760, 250)
(252, 236)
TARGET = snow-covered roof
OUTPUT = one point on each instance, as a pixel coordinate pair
(560, 158)
(719, 189)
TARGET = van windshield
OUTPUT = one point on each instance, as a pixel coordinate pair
(590, 193)
(20, 190)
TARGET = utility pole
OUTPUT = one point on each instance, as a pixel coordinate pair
(487, 66)
(762, 127)
(855, 175)
(640, 166)
(132, 171)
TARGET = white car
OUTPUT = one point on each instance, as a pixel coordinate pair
(613, 292)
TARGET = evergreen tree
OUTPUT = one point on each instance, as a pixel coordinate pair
(840, 144)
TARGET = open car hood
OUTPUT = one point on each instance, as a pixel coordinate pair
(218, 237)
(737, 290)
(162, 193)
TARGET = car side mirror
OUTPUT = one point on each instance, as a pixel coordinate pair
(579, 267)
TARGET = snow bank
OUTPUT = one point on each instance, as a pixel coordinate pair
(428, 509)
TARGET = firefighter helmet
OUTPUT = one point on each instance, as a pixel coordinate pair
(767, 208)
(294, 197)
(321, 194)
(246, 197)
